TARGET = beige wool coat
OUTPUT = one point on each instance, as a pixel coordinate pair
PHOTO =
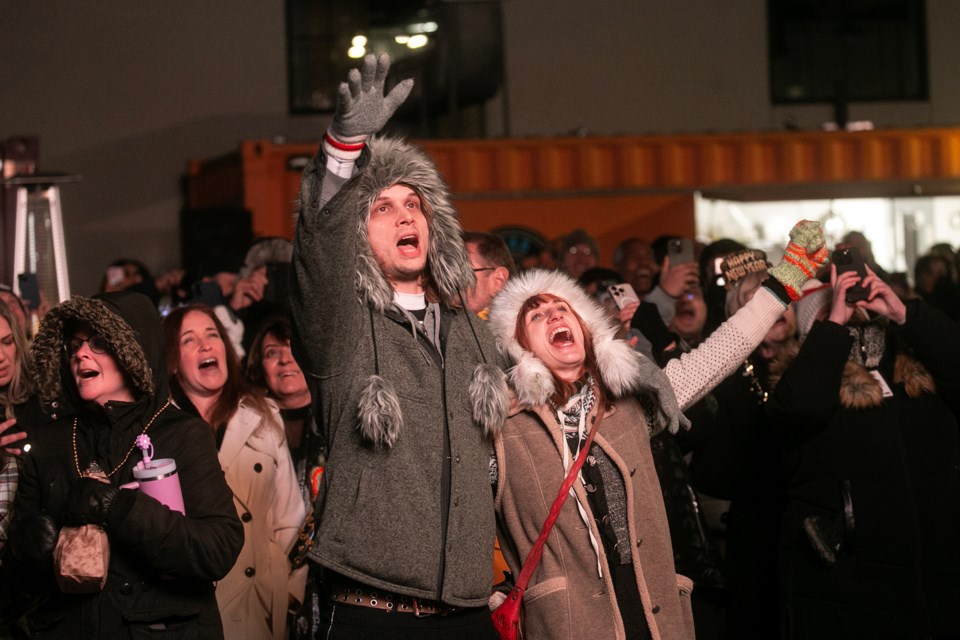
(254, 597)
(566, 596)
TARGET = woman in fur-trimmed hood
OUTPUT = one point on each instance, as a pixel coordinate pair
(101, 382)
(867, 411)
(607, 569)
(406, 384)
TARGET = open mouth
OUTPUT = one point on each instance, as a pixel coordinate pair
(409, 244)
(209, 363)
(288, 374)
(561, 337)
(88, 374)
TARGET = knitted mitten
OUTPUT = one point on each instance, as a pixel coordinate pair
(804, 255)
(362, 108)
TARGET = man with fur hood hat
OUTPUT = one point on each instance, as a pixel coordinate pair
(406, 383)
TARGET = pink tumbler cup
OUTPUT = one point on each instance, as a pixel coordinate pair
(160, 481)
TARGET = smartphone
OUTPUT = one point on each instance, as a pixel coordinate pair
(29, 289)
(849, 259)
(680, 251)
(207, 292)
(623, 294)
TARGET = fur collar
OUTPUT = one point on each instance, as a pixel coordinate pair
(858, 388)
(622, 370)
(394, 161)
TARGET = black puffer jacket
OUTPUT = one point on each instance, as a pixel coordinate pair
(162, 564)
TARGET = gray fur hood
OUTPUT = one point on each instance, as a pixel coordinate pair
(131, 327)
(393, 161)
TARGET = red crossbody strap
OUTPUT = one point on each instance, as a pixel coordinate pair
(533, 558)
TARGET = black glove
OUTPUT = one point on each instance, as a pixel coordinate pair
(89, 502)
(32, 540)
(647, 321)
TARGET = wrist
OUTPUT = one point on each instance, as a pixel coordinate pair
(345, 148)
(666, 290)
(899, 315)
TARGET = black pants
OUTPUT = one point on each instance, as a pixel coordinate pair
(346, 622)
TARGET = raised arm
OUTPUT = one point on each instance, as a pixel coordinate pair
(694, 374)
(323, 291)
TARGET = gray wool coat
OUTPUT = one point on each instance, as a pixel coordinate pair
(408, 505)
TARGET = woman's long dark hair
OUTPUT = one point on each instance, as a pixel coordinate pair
(236, 387)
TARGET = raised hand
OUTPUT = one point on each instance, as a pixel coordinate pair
(882, 299)
(362, 108)
(840, 310)
(677, 278)
(805, 254)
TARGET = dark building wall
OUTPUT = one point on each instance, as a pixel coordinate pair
(125, 94)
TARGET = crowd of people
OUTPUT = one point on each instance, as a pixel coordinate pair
(369, 425)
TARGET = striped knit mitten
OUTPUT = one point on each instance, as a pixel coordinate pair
(804, 255)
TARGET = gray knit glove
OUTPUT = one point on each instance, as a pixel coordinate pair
(805, 254)
(363, 109)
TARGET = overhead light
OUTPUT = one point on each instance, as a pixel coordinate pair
(359, 41)
(417, 41)
(401, 39)
(356, 52)
(423, 27)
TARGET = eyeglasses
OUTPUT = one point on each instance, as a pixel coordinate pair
(96, 344)
(478, 269)
(587, 251)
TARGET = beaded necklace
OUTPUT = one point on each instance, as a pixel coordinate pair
(76, 459)
(756, 387)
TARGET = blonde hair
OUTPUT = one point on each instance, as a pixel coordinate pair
(21, 384)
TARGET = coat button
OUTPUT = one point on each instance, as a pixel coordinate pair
(55, 404)
(258, 467)
(126, 588)
(246, 517)
(656, 609)
(639, 542)
(249, 571)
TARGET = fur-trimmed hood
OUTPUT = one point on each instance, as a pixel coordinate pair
(393, 161)
(384, 163)
(623, 370)
(130, 325)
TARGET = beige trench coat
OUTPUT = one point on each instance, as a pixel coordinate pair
(253, 598)
(566, 597)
